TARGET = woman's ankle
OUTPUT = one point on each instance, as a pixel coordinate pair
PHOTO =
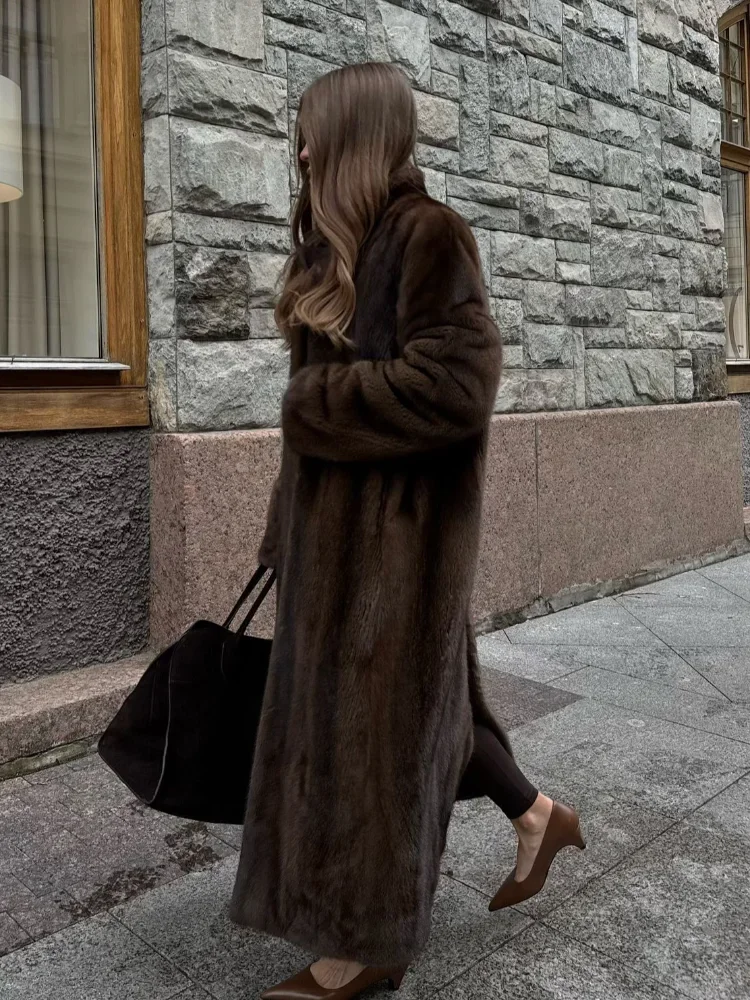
(536, 816)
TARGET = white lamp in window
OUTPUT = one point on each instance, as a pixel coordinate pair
(11, 152)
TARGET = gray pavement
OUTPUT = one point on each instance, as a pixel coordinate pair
(635, 708)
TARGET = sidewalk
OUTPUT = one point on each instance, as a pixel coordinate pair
(635, 708)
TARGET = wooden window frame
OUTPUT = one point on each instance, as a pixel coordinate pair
(737, 158)
(84, 398)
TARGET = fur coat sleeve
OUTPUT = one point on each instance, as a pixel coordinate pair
(438, 392)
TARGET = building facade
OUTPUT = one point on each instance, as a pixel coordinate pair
(583, 143)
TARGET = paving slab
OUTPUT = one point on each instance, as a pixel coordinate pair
(636, 759)
(699, 870)
(712, 714)
(734, 574)
(98, 959)
(542, 964)
(728, 670)
(546, 663)
(517, 701)
(600, 623)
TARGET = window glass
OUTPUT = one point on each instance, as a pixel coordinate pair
(49, 264)
(732, 68)
(735, 242)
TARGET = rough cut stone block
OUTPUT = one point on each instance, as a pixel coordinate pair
(510, 127)
(653, 329)
(445, 85)
(548, 346)
(518, 164)
(577, 253)
(509, 81)
(596, 307)
(573, 274)
(234, 27)
(697, 82)
(659, 24)
(474, 116)
(300, 12)
(275, 61)
(549, 215)
(230, 384)
(543, 302)
(499, 34)
(157, 182)
(226, 172)
(709, 374)
(545, 18)
(620, 258)
(711, 217)
(154, 83)
(595, 69)
(458, 28)
(264, 277)
(236, 234)
(486, 216)
(437, 159)
(653, 70)
(515, 255)
(262, 324)
(572, 154)
(398, 35)
(701, 50)
(444, 60)
(528, 391)
(609, 206)
(542, 104)
(571, 187)
(681, 164)
(509, 318)
(153, 34)
(158, 228)
(666, 283)
(680, 220)
(483, 191)
(683, 385)
(211, 293)
(597, 20)
(573, 111)
(623, 168)
(614, 125)
(546, 72)
(710, 314)
(702, 269)
(160, 283)
(438, 120)
(162, 384)
(628, 377)
(705, 127)
(435, 182)
(515, 12)
(295, 38)
(226, 94)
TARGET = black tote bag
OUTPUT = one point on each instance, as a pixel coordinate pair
(184, 739)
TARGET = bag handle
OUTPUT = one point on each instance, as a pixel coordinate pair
(254, 581)
(257, 603)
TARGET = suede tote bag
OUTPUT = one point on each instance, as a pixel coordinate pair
(184, 739)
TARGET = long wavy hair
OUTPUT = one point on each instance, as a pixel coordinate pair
(359, 124)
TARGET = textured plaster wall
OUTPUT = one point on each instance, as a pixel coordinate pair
(580, 139)
(74, 557)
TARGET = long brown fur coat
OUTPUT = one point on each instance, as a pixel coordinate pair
(374, 529)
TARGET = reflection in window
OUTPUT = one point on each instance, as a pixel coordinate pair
(732, 68)
(735, 295)
(49, 298)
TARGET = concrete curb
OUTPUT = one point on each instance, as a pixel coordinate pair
(64, 708)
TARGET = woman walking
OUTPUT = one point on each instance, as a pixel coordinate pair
(373, 720)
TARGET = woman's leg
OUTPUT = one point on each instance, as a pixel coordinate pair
(494, 773)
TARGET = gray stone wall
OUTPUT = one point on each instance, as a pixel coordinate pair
(74, 525)
(580, 140)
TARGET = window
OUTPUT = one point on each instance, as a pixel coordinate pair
(72, 297)
(735, 194)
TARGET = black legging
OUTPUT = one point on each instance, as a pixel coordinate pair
(493, 772)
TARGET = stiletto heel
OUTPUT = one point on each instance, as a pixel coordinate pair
(563, 830)
(397, 977)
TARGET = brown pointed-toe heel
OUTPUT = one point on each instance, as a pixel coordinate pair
(563, 830)
(304, 986)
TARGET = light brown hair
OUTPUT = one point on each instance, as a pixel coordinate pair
(359, 124)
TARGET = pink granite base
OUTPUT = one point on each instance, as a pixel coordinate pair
(571, 499)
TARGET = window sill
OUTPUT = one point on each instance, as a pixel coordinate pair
(17, 364)
(72, 409)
